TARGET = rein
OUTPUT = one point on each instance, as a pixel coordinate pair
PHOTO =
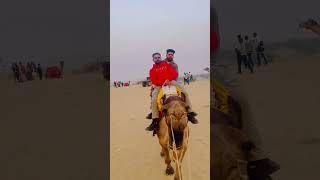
(175, 150)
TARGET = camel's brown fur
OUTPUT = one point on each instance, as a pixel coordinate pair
(175, 112)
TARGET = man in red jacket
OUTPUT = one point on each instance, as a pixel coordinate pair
(159, 74)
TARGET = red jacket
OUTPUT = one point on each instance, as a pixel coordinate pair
(159, 73)
(213, 41)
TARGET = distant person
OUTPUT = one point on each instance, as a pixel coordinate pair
(15, 70)
(249, 50)
(255, 42)
(29, 72)
(189, 76)
(186, 79)
(34, 67)
(243, 54)
(239, 59)
(260, 53)
(39, 71)
(22, 72)
(239, 37)
(61, 66)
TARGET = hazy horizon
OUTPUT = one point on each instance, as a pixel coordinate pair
(140, 28)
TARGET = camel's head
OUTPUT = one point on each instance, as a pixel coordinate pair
(176, 113)
(309, 24)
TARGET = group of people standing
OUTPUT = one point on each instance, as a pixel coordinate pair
(187, 78)
(121, 84)
(26, 72)
(248, 50)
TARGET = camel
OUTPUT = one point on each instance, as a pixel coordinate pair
(173, 127)
(312, 25)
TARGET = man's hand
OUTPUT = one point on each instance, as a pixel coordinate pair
(167, 83)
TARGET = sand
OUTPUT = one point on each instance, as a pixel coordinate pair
(283, 99)
(135, 153)
(54, 129)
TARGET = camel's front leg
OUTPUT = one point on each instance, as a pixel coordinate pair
(169, 169)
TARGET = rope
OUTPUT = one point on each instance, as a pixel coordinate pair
(174, 148)
(189, 161)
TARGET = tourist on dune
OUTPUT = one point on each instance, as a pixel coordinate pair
(260, 53)
(249, 50)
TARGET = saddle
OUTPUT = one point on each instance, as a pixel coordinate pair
(222, 112)
(166, 95)
(169, 93)
(221, 96)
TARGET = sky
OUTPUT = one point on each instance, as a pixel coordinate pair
(49, 29)
(273, 20)
(141, 27)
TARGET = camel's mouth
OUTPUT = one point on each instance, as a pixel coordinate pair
(178, 138)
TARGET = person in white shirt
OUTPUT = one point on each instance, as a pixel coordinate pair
(249, 50)
(241, 49)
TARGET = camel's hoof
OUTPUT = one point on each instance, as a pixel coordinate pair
(161, 154)
(176, 178)
(169, 170)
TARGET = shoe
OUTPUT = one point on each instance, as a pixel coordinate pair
(153, 125)
(262, 168)
(191, 118)
(149, 116)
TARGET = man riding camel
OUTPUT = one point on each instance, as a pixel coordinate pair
(162, 73)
